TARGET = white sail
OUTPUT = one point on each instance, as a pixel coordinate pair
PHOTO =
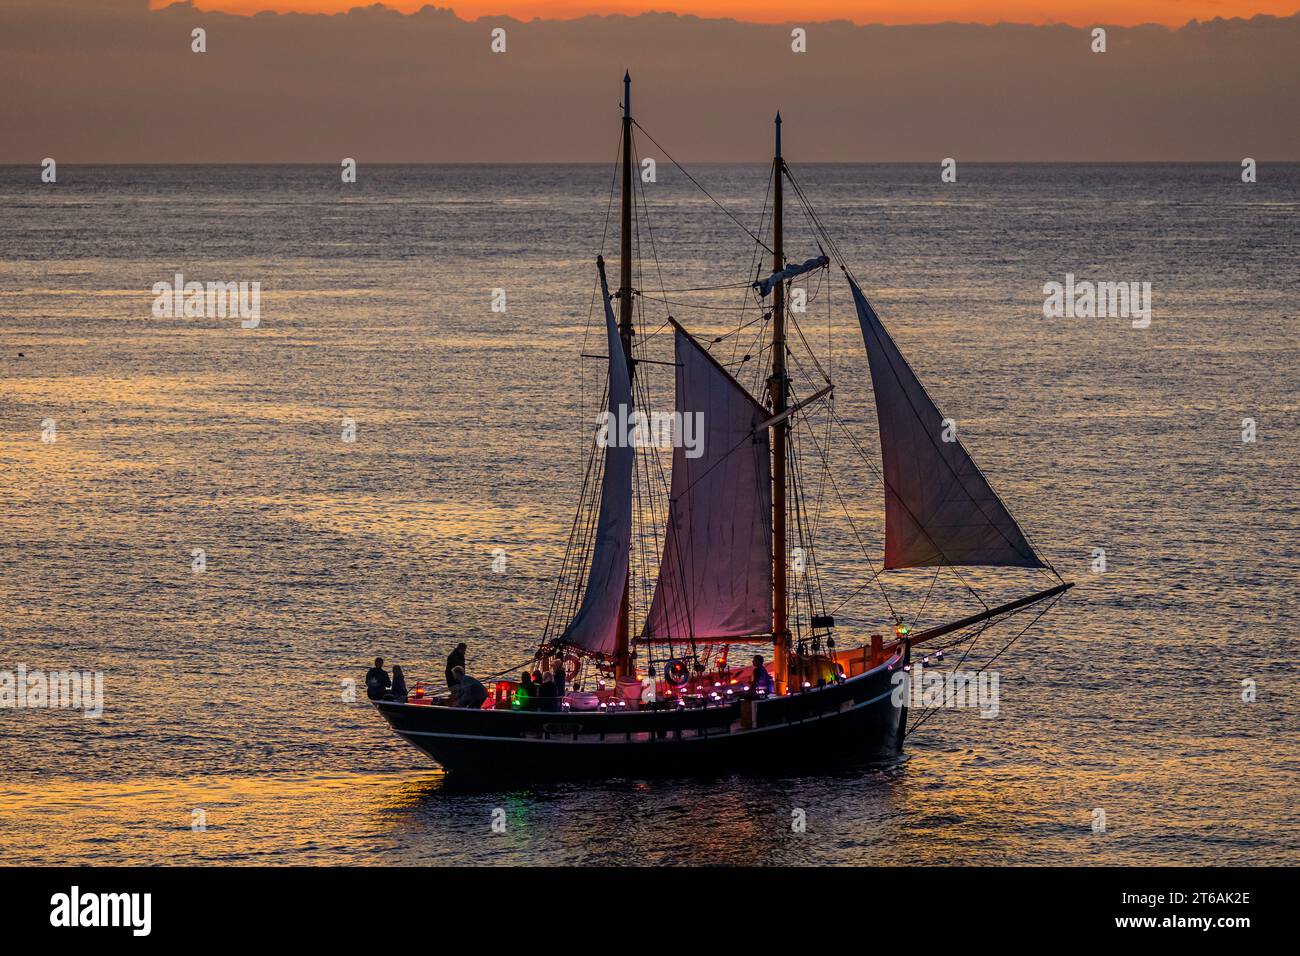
(764, 286)
(715, 575)
(939, 508)
(595, 626)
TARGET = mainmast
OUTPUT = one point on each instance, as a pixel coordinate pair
(622, 660)
(778, 389)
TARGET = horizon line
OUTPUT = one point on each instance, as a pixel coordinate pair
(329, 164)
(429, 9)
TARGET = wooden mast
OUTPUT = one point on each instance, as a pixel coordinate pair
(778, 388)
(622, 659)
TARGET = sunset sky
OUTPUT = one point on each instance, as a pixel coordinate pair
(113, 81)
(1075, 12)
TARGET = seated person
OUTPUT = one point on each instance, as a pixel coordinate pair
(377, 682)
(467, 691)
(398, 691)
(526, 695)
(762, 680)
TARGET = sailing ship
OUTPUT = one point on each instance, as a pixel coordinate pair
(645, 644)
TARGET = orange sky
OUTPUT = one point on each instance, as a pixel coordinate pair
(1077, 12)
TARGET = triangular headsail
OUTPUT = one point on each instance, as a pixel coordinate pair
(595, 626)
(939, 508)
(715, 576)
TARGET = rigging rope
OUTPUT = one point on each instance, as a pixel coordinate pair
(1005, 647)
(701, 188)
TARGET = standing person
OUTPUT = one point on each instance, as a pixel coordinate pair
(559, 678)
(398, 692)
(377, 682)
(537, 690)
(455, 659)
(546, 695)
(762, 680)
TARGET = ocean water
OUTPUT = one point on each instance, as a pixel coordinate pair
(224, 689)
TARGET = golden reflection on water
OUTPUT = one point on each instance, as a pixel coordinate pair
(389, 819)
(937, 808)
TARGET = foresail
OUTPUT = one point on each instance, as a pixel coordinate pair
(939, 508)
(595, 626)
(715, 575)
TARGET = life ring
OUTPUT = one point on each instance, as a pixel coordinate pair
(571, 665)
(677, 673)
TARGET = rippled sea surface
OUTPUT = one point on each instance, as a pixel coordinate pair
(224, 689)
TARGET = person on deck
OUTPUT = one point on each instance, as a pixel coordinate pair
(559, 678)
(398, 692)
(526, 695)
(762, 680)
(546, 696)
(455, 659)
(468, 692)
(377, 682)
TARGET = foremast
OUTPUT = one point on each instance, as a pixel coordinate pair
(778, 385)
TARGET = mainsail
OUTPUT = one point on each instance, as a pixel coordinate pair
(715, 576)
(939, 508)
(595, 626)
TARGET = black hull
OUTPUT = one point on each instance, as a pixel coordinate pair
(849, 723)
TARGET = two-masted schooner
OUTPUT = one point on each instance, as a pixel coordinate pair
(645, 657)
